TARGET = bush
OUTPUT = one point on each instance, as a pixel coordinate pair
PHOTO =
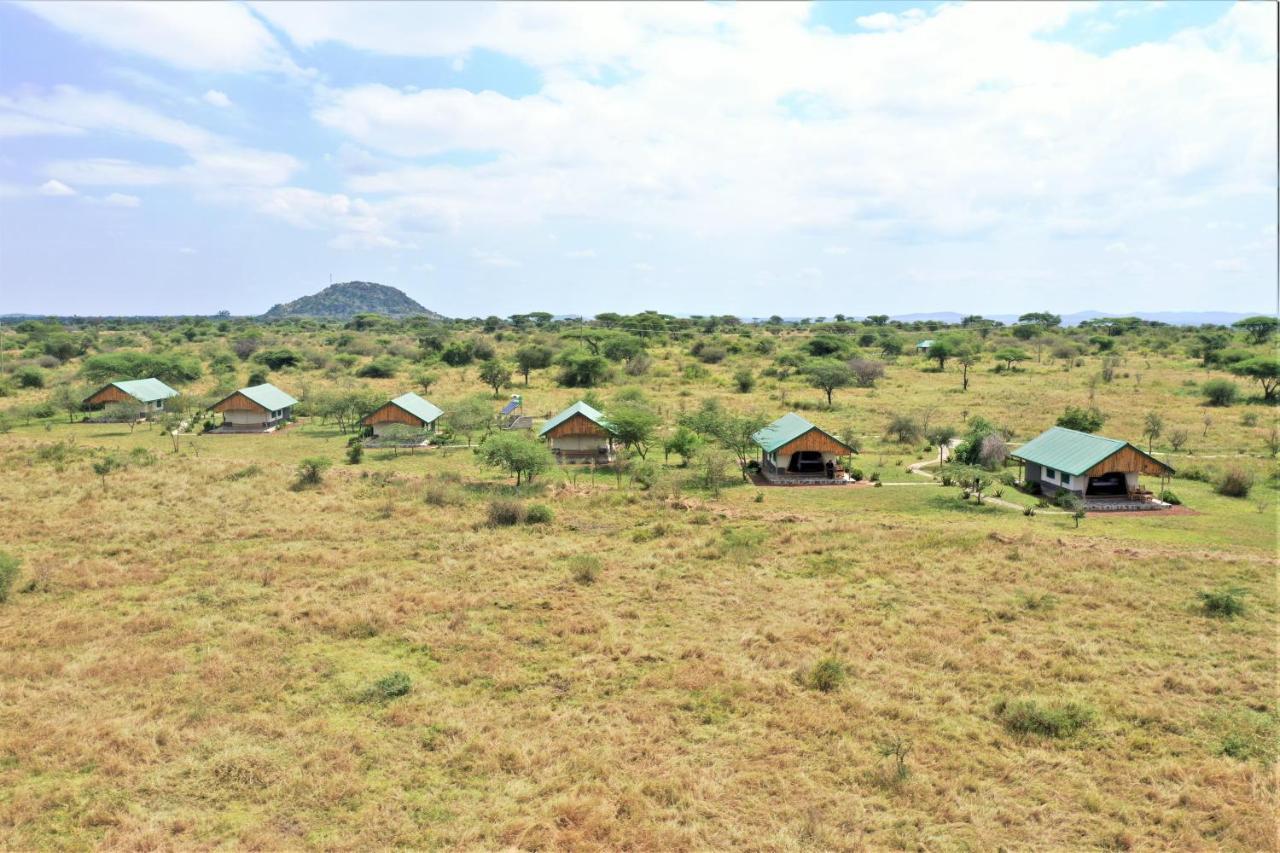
(826, 675)
(505, 513)
(1223, 603)
(1081, 419)
(311, 470)
(905, 429)
(1220, 392)
(354, 454)
(443, 494)
(1170, 498)
(30, 377)
(379, 368)
(539, 514)
(584, 568)
(744, 380)
(1056, 720)
(8, 574)
(855, 474)
(711, 354)
(394, 685)
(275, 359)
(1235, 482)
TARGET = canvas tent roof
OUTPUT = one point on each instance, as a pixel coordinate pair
(578, 408)
(787, 429)
(424, 410)
(146, 390)
(1072, 451)
(268, 396)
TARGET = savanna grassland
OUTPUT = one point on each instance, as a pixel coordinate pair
(199, 652)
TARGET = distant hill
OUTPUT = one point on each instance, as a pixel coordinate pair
(1173, 318)
(348, 298)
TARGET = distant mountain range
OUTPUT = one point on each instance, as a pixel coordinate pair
(1173, 318)
(346, 299)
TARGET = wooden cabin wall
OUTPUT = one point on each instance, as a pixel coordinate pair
(576, 425)
(390, 414)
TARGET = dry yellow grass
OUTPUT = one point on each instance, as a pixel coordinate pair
(187, 658)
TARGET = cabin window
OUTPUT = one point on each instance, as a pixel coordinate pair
(1048, 473)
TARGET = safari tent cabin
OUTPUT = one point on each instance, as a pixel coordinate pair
(924, 346)
(1099, 470)
(148, 394)
(579, 434)
(406, 410)
(258, 408)
(792, 450)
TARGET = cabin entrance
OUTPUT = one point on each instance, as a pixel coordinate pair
(806, 462)
(1107, 486)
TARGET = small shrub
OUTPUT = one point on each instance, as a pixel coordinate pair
(584, 568)
(311, 470)
(1249, 419)
(8, 574)
(826, 675)
(744, 380)
(354, 454)
(855, 474)
(759, 497)
(1235, 482)
(245, 473)
(30, 377)
(1055, 720)
(1223, 603)
(505, 513)
(539, 514)
(1170, 498)
(1220, 392)
(1029, 512)
(394, 685)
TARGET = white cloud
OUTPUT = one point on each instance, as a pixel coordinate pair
(962, 123)
(55, 189)
(194, 36)
(580, 254)
(215, 161)
(121, 200)
(493, 259)
(217, 98)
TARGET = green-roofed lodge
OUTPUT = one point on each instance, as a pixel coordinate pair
(148, 394)
(579, 434)
(258, 408)
(407, 410)
(792, 450)
(1098, 469)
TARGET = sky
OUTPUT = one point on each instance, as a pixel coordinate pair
(758, 158)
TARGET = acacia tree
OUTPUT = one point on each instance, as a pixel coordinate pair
(1265, 369)
(828, 376)
(495, 373)
(1010, 355)
(940, 437)
(941, 350)
(1152, 427)
(532, 357)
(467, 417)
(516, 453)
(1259, 329)
(634, 425)
(732, 432)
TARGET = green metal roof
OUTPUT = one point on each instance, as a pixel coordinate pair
(146, 390)
(578, 408)
(1072, 451)
(268, 396)
(424, 410)
(786, 429)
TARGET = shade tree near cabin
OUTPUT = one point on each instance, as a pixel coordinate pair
(828, 375)
(468, 417)
(582, 369)
(940, 437)
(517, 454)
(1081, 419)
(634, 425)
(684, 442)
(731, 431)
